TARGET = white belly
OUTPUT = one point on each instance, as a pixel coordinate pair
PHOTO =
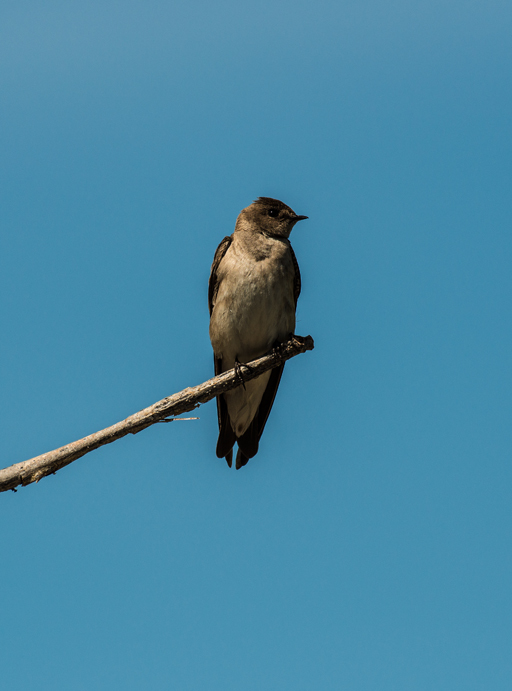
(253, 309)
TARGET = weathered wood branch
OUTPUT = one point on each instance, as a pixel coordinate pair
(48, 463)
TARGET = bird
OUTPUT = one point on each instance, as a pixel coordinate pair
(252, 296)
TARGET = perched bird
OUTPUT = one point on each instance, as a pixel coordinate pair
(253, 291)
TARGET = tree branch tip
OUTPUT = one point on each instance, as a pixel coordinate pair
(305, 342)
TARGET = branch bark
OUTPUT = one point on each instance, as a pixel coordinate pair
(48, 463)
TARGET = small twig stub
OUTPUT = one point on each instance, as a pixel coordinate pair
(177, 419)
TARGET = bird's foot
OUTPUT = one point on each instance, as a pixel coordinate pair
(278, 348)
(239, 373)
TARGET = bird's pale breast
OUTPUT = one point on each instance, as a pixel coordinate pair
(254, 306)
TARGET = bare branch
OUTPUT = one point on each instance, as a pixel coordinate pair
(183, 402)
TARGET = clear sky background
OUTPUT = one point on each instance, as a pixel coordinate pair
(368, 545)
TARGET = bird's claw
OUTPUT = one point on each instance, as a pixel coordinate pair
(239, 373)
(278, 349)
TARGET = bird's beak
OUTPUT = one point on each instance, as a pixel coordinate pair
(300, 218)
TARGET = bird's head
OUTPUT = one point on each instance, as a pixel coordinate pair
(269, 216)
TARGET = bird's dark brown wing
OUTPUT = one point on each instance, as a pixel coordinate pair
(226, 435)
(296, 282)
(213, 284)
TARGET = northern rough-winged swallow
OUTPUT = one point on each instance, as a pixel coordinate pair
(253, 291)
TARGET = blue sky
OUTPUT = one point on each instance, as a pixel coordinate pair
(367, 546)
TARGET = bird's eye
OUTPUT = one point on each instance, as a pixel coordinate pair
(273, 212)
